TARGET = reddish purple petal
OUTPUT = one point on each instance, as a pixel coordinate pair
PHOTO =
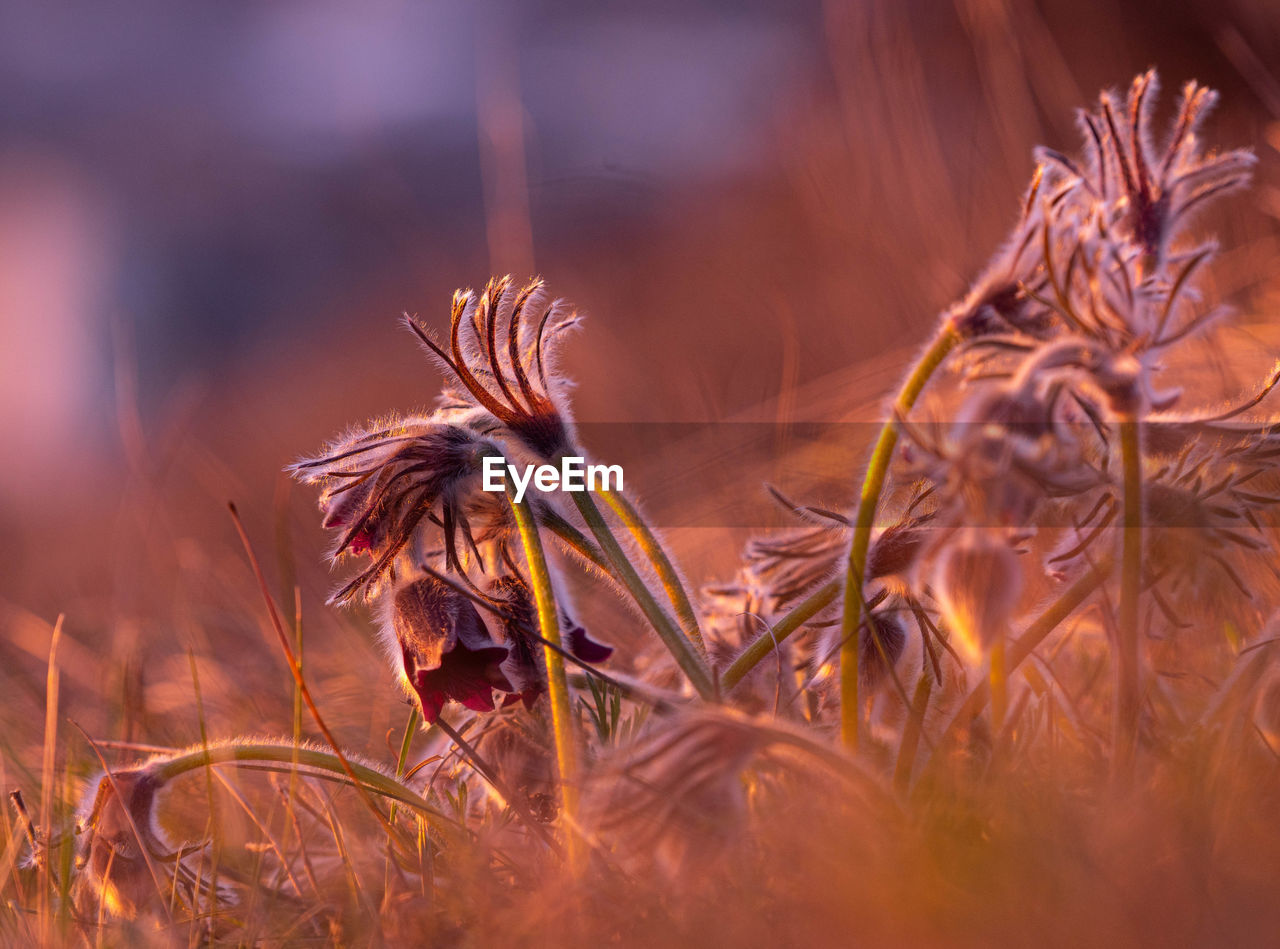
(432, 703)
(586, 648)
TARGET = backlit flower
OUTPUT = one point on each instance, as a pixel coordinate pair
(500, 345)
(526, 667)
(444, 649)
(386, 487)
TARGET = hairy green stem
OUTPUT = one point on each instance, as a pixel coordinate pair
(166, 769)
(768, 640)
(557, 684)
(676, 641)
(662, 565)
(872, 485)
(576, 541)
(1127, 663)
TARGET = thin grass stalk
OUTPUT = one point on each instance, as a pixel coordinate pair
(675, 640)
(911, 733)
(872, 485)
(14, 843)
(557, 684)
(652, 548)
(1127, 667)
(49, 762)
(402, 760)
(767, 641)
(215, 856)
(297, 708)
(998, 677)
(296, 669)
(298, 651)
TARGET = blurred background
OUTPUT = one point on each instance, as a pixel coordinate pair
(212, 215)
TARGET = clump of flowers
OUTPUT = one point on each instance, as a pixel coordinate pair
(1073, 447)
(1067, 500)
(406, 494)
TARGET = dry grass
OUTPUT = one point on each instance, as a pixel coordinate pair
(1023, 687)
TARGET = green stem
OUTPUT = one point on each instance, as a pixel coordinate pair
(911, 732)
(676, 641)
(765, 643)
(872, 485)
(166, 769)
(576, 541)
(662, 565)
(998, 678)
(557, 684)
(1127, 665)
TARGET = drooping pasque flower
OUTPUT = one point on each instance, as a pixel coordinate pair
(386, 487)
(406, 493)
(445, 651)
(526, 667)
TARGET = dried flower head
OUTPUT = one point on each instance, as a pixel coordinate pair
(1209, 549)
(500, 344)
(1154, 189)
(677, 795)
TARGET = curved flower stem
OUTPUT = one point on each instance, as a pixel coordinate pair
(872, 485)
(1127, 665)
(557, 684)
(293, 756)
(767, 641)
(676, 641)
(653, 549)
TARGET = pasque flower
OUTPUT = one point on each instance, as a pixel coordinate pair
(444, 649)
(1155, 189)
(120, 809)
(128, 864)
(526, 667)
(387, 486)
(977, 581)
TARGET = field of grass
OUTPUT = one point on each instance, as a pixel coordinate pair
(1013, 679)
